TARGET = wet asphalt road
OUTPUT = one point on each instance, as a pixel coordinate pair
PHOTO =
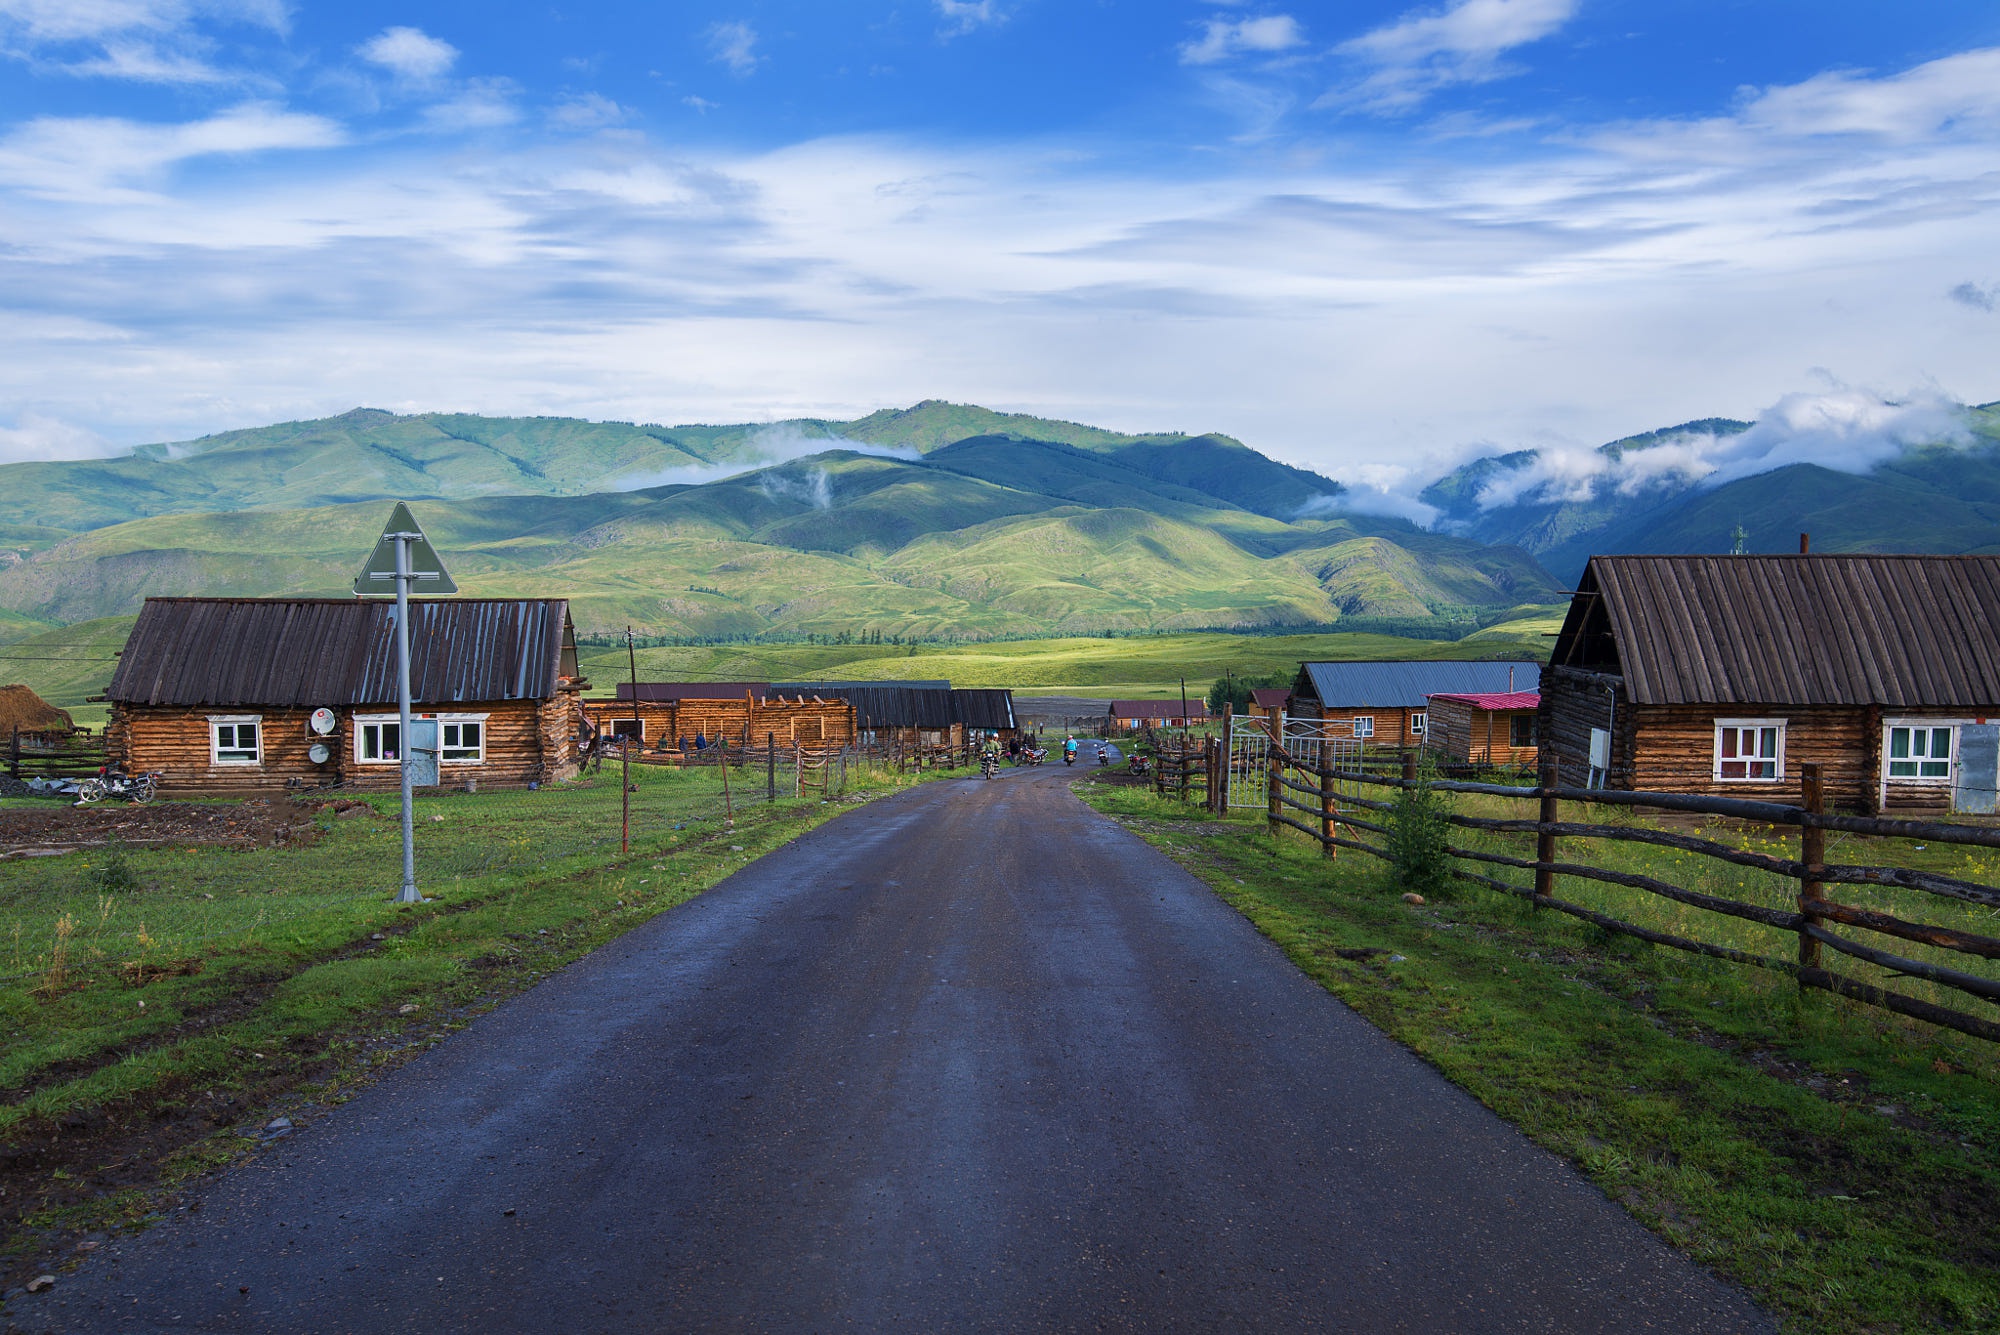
(967, 1059)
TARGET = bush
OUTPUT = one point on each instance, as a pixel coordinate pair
(1419, 833)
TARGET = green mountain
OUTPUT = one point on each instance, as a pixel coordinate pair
(990, 535)
(1931, 498)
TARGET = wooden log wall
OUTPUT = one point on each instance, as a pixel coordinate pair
(1572, 704)
(809, 722)
(524, 740)
(1463, 731)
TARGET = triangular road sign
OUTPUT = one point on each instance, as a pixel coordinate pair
(378, 577)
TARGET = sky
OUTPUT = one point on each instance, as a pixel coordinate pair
(1369, 237)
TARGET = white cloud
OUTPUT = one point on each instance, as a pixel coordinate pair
(586, 111)
(964, 16)
(409, 53)
(103, 158)
(1957, 91)
(144, 41)
(1846, 429)
(733, 45)
(482, 104)
(700, 104)
(1221, 39)
(1462, 43)
(82, 20)
(35, 437)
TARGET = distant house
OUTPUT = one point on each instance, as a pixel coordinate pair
(1388, 704)
(1130, 715)
(1268, 701)
(1723, 674)
(683, 715)
(1483, 728)
(250, 693)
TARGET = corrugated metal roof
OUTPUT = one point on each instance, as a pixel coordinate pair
(1406, 685)
(1910, 631)
(1493, 701)
(984, 708)
(695, 690)
(879, 706)
(1270, 697)
(308, 652)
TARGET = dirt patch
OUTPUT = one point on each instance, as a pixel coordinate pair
(259, 823)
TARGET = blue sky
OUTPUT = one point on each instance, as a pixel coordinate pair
(1370, 237)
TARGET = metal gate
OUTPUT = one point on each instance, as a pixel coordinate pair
(1249, 782)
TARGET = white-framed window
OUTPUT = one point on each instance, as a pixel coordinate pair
(462, 739)
(1364, 725)
(1920, 752)
(1418, 722)
(378, 739)
(235, 739)
(1749, 750)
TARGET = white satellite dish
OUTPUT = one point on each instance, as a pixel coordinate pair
(319, 753)
(323, 721)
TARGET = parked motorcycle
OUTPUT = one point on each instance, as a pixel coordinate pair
(1103, 756)
(133, 787)
(1137, 765)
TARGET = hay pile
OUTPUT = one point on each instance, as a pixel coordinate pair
(22, 708)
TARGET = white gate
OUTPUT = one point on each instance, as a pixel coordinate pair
(1248, 782)
(1310, 744)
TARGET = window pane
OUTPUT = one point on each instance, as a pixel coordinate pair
(1899, 743)
(1729, 743)
(1767, 743)
(1941, 743)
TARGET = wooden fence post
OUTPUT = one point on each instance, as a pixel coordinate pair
(1215, 775)
(1545, 838)
(798, 769)
(14, 755)
(1812, 852)
(1327, 810)
(1228, 733)
(1274, 784)
(770, 766)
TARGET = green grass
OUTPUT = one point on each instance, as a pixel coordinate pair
(288, 973)
(1842, 1164)
(1139, 666)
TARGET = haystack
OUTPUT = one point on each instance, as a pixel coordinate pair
(21, 708)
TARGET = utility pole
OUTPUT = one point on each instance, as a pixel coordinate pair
(625, 751)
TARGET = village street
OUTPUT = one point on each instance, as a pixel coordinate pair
(970, 1058)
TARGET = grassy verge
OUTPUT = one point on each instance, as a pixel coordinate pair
(202, 990)
(1842, 1165)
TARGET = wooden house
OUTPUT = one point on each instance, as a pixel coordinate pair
(1483, 727)
(1388, 704)
(905, 713)
(232, 694)
(1131, 715)
(1268, 702)
(1723, 674)
(680, 716)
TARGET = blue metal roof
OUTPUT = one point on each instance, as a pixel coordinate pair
(1406, 685)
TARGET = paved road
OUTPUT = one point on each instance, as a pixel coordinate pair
(967, 1059)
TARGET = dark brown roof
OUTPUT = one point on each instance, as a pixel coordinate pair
(308, 652)
(1907, 631)
(1270, 697)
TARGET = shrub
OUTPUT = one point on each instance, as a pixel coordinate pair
(1419, 834)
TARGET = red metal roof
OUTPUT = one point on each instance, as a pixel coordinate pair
(1495, 701)
(1157, 709)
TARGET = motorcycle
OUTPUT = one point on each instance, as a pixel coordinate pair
(989, 764)
(134, 788)
(1034, 755)
(1137, 765)
(1069, 757)
(1103, 756)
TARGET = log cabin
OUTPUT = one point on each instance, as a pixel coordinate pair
(675, 717)
(1131, 715)
(1723, 674)
(242, 694)
(1483, 727)
(1388, 704)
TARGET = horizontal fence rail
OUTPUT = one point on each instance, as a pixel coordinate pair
(1318, 800)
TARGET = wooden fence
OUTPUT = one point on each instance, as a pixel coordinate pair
(1816, 906)
(55, 754)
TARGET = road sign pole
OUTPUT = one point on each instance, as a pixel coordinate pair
(409, 894)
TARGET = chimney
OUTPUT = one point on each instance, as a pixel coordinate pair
(1805, 544)
(1510, 679)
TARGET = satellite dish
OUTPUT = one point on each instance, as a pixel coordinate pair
(319, 753)
(323, 721)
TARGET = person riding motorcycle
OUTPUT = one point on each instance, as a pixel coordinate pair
(1069, 750)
